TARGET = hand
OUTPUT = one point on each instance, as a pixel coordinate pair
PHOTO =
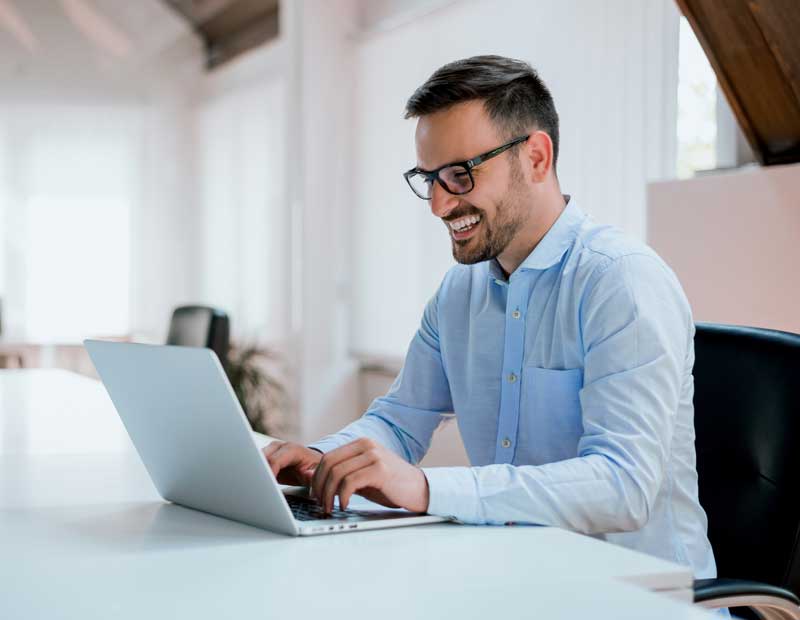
(368, 468)
(292, 463)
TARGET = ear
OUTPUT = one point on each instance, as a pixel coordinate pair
(539, 156)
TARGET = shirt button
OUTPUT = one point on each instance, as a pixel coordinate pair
(506, 443)
(512, 377)
(516, 314)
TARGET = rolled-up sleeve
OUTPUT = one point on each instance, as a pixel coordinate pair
(636, 329)
(405, 418)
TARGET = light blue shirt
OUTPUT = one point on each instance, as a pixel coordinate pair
(572, 386)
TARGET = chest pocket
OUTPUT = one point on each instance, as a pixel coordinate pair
(550, 422)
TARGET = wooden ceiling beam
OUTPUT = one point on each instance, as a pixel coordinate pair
(754, 49)
(230, 27)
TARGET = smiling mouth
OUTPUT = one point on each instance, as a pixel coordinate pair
(466, 228)
(465, 233)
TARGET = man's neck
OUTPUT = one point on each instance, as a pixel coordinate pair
(531, 234)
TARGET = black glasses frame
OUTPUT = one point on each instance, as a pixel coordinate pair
(433, 175)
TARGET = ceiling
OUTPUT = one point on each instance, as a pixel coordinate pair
(128, 32)
(83, 49)
(754, 48)
(229, 27)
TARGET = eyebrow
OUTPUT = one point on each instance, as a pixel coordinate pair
(452, 163)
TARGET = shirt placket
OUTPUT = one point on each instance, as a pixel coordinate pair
(519, 286)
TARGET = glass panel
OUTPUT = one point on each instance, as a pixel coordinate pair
(697, 106)
(457, 179)
(420, 185)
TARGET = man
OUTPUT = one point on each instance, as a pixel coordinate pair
(564, 348)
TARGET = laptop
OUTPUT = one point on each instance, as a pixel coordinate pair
(195, 441)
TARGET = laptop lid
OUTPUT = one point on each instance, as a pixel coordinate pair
(190, 431)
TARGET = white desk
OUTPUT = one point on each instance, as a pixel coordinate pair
(83, 534)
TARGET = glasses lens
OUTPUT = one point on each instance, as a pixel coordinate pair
(457, 179)
(420, 184)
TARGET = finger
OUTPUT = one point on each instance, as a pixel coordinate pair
(355, 481)
(329, 459)
(283, 457)
(307, 473)
(272, 447)
(337, 473)
(332, 458)
(323, 478)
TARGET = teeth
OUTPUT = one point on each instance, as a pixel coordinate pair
(465, 221)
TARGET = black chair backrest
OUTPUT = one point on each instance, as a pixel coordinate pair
(201, 326)
(747, 420)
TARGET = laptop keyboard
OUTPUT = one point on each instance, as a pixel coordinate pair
(305, 509)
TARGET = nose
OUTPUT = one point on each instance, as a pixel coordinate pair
(442, 201)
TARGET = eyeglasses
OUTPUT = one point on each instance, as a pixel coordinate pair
(455, 178)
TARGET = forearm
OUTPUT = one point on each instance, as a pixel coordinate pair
(375, 426)
(590, 494)
(405, 418)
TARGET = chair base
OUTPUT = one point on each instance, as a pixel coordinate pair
(767, 607)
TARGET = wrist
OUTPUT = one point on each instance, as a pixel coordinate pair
(425, 493)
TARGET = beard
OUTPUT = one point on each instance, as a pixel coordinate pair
(493, 237)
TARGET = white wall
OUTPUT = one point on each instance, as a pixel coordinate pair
(164, 224)
(610, 67)
(242, 209)
(732, 239)
(319, 36)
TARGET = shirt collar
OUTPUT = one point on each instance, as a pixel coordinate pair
(553, 245)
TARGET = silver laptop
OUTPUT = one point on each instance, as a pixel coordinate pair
(194, 439)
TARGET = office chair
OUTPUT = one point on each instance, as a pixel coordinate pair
(201, 326)
(747, 422)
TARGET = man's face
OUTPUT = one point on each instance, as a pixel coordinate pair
(500, 197)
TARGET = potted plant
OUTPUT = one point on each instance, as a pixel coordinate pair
(254, 373)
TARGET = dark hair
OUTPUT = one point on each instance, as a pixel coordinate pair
(512, 92)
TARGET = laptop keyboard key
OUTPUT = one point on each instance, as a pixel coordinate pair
(305, 509)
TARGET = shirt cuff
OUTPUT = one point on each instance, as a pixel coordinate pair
(325, 445)
(453, 493)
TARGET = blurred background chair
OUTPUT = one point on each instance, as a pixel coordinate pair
(747, 420)
(201, 326)
(12, 360)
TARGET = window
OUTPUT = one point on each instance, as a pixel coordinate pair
(697, 107)
(68, 192)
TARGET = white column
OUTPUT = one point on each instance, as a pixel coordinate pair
(320, 193)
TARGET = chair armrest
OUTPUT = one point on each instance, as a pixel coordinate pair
(769, 602)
